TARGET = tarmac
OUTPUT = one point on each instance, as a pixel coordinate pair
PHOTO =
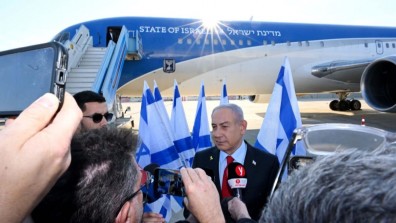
(312, 112)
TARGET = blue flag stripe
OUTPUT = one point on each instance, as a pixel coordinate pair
(183, 144)
(150, 97)
(204, 141)
(143, 110)
(196, 127)
(164, 156)
(176, 96)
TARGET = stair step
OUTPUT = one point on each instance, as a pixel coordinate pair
(84, 70)
(79, 75)
(84, 75)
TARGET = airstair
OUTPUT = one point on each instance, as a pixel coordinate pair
(97, 68)
(83, 75)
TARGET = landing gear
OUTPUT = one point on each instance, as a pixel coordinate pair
(344, 104)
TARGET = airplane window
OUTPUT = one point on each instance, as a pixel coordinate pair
(232, 42)
(307, 43)
(321, 43)
(240, 42)
(189, 41)
(299, 43)
(265, 42)
(288, 43)
(387, 45)
(379, 45)
(215, 42)
(223, 42)
(366, 45)
(198, 41)
(180, 41)
(273, 43)
(393, 45)
(206, 41)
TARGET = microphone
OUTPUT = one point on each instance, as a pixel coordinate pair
(149, 192)
(237, 178)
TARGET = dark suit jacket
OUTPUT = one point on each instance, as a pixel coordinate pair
(261, 169)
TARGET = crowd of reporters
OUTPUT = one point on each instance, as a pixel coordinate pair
(57, 175)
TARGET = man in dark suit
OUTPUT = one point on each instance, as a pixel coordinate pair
(111, 35)
(228, 129)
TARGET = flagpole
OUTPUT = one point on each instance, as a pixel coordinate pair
(292, 142)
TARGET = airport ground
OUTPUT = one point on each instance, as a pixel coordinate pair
(312, 112)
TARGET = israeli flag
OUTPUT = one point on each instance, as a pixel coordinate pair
(161, 105)
(201, 133)
(156, 145)
(155, 134)
(183, 140)
(282, 117)
(224, 95)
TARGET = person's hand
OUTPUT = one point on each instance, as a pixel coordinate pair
(237, 209)
(151, 217)
(202, 197)
(34, 152)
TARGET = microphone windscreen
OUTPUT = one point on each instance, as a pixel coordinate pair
(237, 177)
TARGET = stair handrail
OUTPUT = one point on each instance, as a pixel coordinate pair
(78, 45)
(114, 70)
(100, 77)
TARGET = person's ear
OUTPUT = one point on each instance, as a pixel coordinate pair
(243, 126)
(123, 215)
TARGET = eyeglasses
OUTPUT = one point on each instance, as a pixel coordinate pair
(97, 117)
(145, 182)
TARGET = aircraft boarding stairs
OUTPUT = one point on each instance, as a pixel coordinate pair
(99, 68)
(82, 77)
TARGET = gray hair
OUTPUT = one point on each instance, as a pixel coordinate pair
(234, 108)
(102, 174)
(352, 186)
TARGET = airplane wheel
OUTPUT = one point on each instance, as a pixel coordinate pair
(355, 105)
(348, 103)
(343, 105)
(334, 105)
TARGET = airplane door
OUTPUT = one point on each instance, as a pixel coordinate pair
(379, 47)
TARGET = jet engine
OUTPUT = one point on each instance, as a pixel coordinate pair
(378, 84)
(259, 98)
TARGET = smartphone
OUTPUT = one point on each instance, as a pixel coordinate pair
(168, 182)
(29, 72)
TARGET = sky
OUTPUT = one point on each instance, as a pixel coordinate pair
(29, 22)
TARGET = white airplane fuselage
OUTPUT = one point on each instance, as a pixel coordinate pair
(248, 56)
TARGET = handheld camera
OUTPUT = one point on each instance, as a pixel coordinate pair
(29, 72)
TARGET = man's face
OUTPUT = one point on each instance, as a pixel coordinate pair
(227, 133)
(90, 109)
(136, 209)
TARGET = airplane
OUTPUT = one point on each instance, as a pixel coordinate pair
(324, 58)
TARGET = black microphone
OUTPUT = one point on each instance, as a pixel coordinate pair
(237, 178)
(149, 192)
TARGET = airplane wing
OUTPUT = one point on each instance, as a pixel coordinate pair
(345, 71)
